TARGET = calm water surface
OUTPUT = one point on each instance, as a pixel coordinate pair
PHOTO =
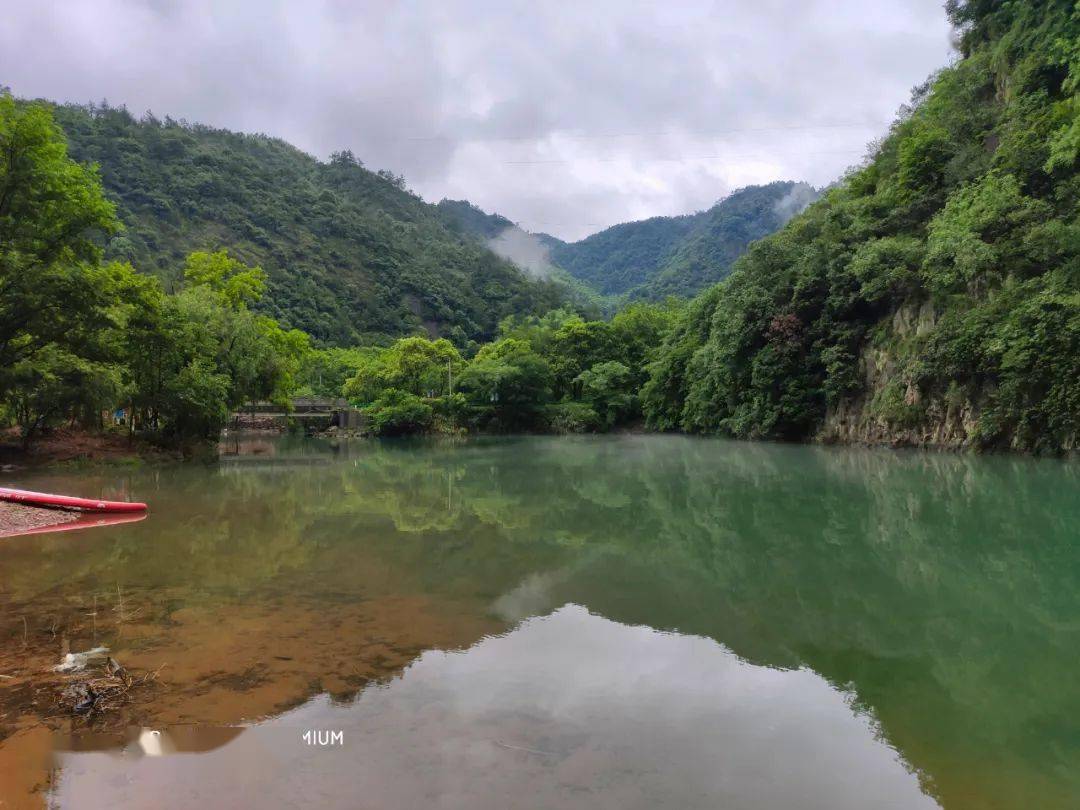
(612, 622)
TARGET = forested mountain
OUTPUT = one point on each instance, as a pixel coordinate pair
(660, 256)
(721, 235)
(467, 219)
(532, 252)
(625, 256)
(933, 297)
(350, 254)
(663, 256)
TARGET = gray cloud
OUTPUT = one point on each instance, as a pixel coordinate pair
(563, 117)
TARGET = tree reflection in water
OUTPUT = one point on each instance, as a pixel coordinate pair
(937, 591)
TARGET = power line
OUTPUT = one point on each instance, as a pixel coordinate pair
(680, 159)
(657, 134)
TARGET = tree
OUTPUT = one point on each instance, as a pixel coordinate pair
(52, 215)
(417, 365)
(237, 284)
(194, 356)
(324, 372)
(577, 346)
(510, 381)
(397, 413)
(57, 384)
(610, 391)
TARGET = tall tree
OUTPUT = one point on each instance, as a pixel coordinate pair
(52, 217)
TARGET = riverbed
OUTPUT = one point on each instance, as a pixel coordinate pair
(618, 621)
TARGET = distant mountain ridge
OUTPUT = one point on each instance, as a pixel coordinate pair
(660, 256)
(722, 234)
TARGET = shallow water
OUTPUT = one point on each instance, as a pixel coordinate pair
(620, 622)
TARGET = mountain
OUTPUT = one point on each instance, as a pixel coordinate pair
(654, 258)
(933, 296)
(650, 258)
(721, 235)
(532, 252)
(464, 218)
(350, 253)
(620, 258)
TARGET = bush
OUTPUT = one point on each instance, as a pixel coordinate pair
(571, 417)
(399, 413)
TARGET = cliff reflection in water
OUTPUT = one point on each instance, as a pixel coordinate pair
(937, 593)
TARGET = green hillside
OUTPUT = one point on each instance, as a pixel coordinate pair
(533, 252)
(462, 217)
(658, 257)
(618, 259)
(663, 256)
(721, 235)
(933, 297)
(350, 253)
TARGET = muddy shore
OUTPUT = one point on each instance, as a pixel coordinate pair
(76, 447)
(15, 517)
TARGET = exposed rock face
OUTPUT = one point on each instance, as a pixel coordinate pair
(945, 421)
(945, 427)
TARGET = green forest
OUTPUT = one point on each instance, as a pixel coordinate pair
(934, 294)
(350, 254)
(664, 256)
(79, 335)
(930, 297)
(652, 259)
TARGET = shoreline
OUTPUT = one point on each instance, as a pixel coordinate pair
(67, 447)
(17, 517)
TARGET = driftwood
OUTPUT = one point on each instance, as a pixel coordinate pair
(88, 693)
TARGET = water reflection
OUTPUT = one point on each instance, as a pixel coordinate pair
(88, 520)
(570, 710)
(936, 593)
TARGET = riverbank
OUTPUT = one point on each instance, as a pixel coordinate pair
(15, 517)
(64, 446)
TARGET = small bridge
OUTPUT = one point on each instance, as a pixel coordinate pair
(314, 413)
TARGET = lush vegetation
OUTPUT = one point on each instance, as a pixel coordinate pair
(79, 336)
(84, 337)
(651, 259)
(931, 296)
(664, 256)
(936, 291)
(531, 251)
(350, 255)
(721, 235)
(463, 217)
(557, 372)
(625, 256)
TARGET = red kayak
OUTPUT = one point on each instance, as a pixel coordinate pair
(68, 502)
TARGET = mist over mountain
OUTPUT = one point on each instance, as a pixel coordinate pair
(650, 258)
(351, 254)
(722, 234)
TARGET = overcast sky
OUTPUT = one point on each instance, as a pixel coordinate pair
(564, 116)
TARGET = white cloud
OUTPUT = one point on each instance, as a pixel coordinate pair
(564, 117)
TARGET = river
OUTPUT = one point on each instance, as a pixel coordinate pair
(600, 622)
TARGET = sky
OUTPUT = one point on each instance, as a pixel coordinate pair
(565, 117)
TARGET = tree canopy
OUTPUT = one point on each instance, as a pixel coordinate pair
(349, 254)
(936, 290)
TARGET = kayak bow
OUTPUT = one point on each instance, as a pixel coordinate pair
(68, 502)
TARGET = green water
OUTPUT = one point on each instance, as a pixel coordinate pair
(597, 622)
